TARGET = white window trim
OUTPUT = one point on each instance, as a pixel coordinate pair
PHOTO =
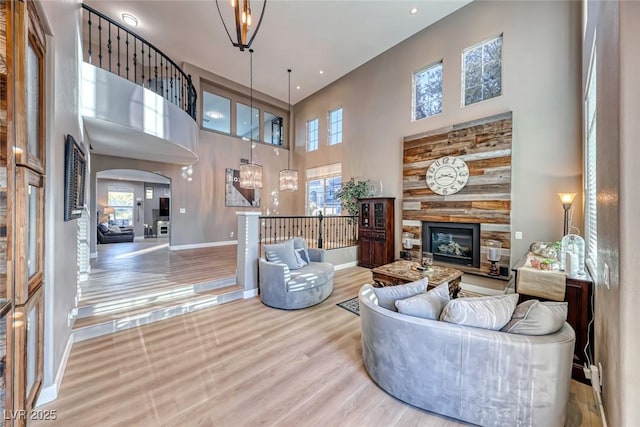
(321, 172)
(317, 136)
(462, 85)
(413, 89)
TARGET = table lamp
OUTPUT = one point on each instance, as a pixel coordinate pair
(567, 201)
(493, 255)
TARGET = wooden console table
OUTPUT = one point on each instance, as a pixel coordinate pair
(400, 272)
(578, 294)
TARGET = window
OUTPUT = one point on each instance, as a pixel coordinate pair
(312, 135)
(427, 92)
(322, 184)
(482, 71)
(148, 193)
(590, 220)
(335, 126)
(216, 112)
(121, 199)
(272, 129)
(246, 125)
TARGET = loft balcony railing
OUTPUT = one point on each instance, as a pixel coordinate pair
(325, 232)
(112, 47)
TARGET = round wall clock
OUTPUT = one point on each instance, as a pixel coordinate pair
(447, 175)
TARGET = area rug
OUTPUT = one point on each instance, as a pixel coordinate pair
(351, 305)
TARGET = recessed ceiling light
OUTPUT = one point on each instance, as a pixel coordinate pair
(413, 10)
(298, 87)
(321, 72)
(129, 19)
(214, 115)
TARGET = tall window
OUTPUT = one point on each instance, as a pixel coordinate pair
(482, 71)
(590, 108)
(335, 126)
(216, 112)
(312, 135)
(247, 121)
(121, 199)
(427, 92)
(322, 184)
(272, 129)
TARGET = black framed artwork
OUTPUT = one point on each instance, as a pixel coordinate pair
(75, 171)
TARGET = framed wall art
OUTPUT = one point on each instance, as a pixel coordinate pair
(75, 172)
(236, 196)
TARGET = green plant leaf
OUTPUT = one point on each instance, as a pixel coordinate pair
(349, 194)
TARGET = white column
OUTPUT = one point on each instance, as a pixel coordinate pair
(248, 239)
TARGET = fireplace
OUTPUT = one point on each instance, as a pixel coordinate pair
(452, 242)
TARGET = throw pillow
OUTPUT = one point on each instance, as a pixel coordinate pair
(491, 312)
(388, 295)
(300, 258)
(301, 243)
(282, 253)
(535, 317)
(114, 229)
(103, 228)
(427, 306)
(304, 255)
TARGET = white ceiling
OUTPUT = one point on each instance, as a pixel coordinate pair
(335, 36)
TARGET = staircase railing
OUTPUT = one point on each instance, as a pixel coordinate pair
(112, 47)
(327, 232)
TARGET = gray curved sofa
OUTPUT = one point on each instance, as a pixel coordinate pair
(484, 377)
(281, 287)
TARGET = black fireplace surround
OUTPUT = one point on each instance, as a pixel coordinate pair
(452, 242)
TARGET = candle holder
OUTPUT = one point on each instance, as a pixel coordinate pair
(493, 255)
(407, 244)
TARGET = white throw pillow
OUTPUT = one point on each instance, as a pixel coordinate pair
(388, 295)
(535, 317)
(300, 258)
(114, 229)
(427, 306)
(492, 312)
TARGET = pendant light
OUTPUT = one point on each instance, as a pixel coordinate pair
(251, 173)
(244, 31)
(289, 177)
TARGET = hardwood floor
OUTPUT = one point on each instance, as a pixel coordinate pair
(243, 364)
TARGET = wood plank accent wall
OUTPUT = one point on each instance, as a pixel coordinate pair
(485, 145)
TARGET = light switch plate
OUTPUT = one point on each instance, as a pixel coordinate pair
(183, 210)
(518, 235)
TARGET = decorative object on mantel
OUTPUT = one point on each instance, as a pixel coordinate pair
(493, 255)
(567, 201)
(540, 283)
(407, 243)
(288, 176)
(350, 192)
(572, 255)
(244, 33)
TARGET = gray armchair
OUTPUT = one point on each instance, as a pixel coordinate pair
(281, 287)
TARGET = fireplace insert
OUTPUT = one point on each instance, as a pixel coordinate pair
(452, 242)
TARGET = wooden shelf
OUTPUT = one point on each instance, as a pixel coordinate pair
(474, 271)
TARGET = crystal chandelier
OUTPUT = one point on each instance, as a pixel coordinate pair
(251, 173)
(289, 177)
(245, 33)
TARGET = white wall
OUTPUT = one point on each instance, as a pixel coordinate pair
(63, 118)
(541, 85)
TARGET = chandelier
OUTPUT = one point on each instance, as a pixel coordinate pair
(289, 177)
(245, 32)
(251, 173)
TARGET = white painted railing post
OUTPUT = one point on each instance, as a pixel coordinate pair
(248, 239)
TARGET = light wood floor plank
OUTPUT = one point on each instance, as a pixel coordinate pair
(243, 364)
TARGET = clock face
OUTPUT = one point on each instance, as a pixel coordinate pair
(447, 175)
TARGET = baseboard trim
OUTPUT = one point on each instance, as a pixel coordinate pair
(50, 393)
(93, 255)
(346, 265)
(202, 245)
(138, 238)
(250, 293)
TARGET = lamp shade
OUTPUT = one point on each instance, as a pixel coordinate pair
(567, 198)
(288, 180)
(109, 211)
(250, 176)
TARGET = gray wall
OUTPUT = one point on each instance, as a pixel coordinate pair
(541, 85)
(151, 206)
(615, 27)
(62, 72)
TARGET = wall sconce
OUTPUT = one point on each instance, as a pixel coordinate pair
(567, 201)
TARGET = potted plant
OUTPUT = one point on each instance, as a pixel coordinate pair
(349, 194)
(546, 264)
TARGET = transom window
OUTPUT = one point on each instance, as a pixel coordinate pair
(312, 135)
(482, 71)
(121, 199)
(335, 126)
(427, 92)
